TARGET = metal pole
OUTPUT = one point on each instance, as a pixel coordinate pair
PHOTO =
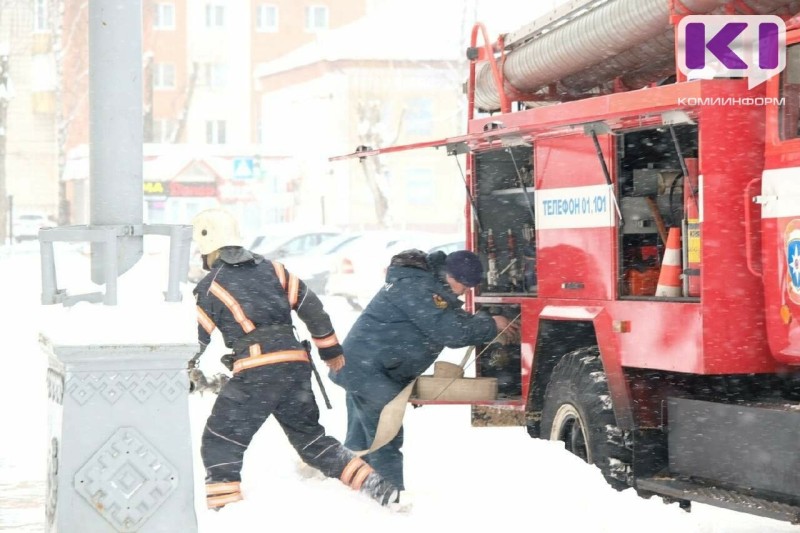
(180, 238)
(10, 220)
(685, 252)
(49, 281)
(116, 125)
(5, 94)
(110, 267)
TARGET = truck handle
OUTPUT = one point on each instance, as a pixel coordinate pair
(748, 246)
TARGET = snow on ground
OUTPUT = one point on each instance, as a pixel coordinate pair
(459, 477)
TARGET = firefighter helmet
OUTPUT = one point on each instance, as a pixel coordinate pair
(214, 228)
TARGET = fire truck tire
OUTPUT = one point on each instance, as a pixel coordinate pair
(577, 411)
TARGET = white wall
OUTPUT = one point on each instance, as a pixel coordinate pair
(229, 45)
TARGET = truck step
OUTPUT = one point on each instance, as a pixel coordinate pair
(686, 490)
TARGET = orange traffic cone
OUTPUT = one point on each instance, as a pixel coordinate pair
(669, 280)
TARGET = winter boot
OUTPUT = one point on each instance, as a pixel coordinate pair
(379, 489)
(360, 476)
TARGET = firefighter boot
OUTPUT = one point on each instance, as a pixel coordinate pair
(379, 489)
(360, 476)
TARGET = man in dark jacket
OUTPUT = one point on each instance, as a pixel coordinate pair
(400, 334)
(250, 300)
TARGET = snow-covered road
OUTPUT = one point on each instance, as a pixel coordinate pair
(459, 478)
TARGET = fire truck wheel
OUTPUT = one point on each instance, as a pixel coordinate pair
(577, 412)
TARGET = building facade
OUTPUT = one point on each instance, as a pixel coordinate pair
(28, 165)
(374, 83)
(214, 73)
(198, 60)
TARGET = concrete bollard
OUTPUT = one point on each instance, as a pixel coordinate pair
(120, 449)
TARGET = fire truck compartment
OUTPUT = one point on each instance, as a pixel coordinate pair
(652, 195)
(753, 447)
(503, 362)
(504, 203)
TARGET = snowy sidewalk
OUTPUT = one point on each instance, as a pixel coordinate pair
(22, 506)
(471, 479)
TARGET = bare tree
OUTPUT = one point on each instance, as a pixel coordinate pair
(4, 97)
(371, 127)
(183, 116)
(9, 21)
(72, 97)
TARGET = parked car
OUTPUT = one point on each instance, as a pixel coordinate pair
(275, 242)
(281, 241)
(449, 247)
(26, 225)
(314, 266)
(360, 269)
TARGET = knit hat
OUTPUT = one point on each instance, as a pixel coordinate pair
(465, 267)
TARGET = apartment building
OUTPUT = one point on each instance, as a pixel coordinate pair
(199, 57)
(376, 82)
(28, 166)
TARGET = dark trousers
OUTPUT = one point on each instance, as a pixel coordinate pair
(245, 403)
(362, 423)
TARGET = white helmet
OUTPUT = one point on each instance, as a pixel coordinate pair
(214, 228)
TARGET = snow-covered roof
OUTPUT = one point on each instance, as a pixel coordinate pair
(414, 30)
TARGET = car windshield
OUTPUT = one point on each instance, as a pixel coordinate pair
(449, 247)
(370, 244)
(265, 241)
(333, 244)
(367, 243)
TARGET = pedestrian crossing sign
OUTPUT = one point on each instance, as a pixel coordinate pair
(243, 168)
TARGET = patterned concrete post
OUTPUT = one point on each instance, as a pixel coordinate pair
(120, 456)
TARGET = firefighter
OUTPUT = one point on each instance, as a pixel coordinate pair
(250, 300)
(399, 335)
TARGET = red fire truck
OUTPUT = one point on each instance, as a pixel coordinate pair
(645, 229)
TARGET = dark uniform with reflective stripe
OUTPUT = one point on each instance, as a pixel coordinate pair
(250, 300)
(400, 334)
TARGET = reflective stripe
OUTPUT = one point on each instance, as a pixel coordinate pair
(218, 501)
(360, 476)
(350, 469)
(233, 306)
(354, 474)
(269, 359)
(294, 290)
(205, 321)
(327, 342)
(213, 489)
(281, 272)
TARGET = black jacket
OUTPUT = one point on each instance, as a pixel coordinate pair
(247, 295)
(406, 326)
